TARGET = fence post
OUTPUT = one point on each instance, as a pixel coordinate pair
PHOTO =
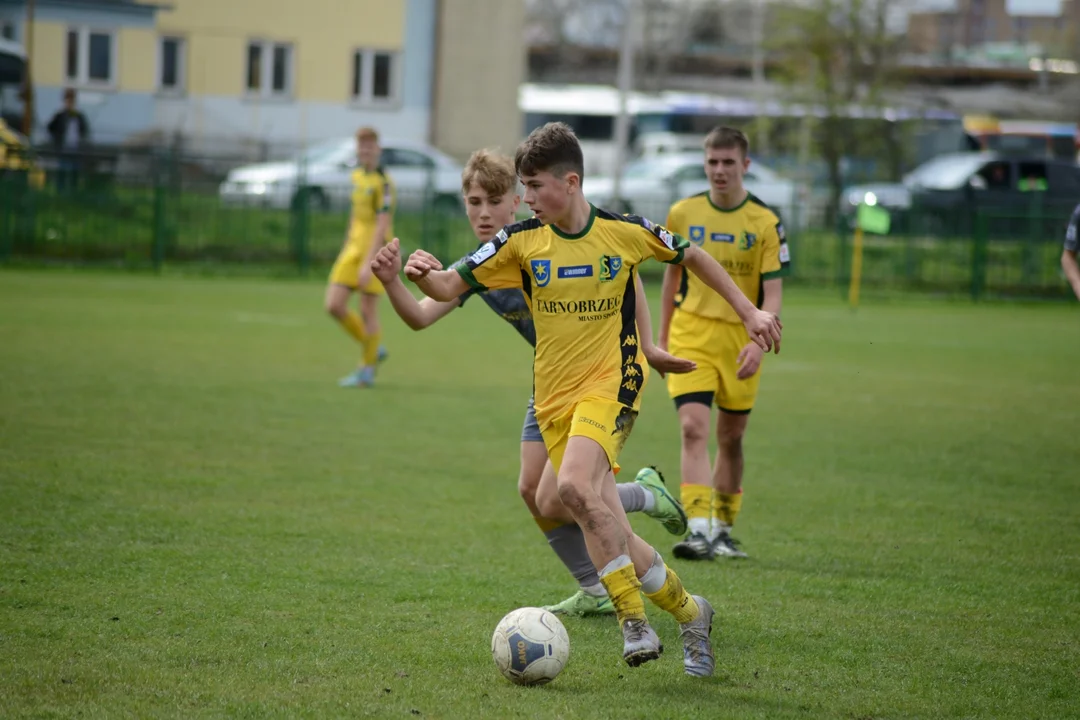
(978, 255)
(842, 275)
(300, 220)
(157, 247)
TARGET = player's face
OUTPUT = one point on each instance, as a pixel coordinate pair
(367, 153)
(548, 196)
(725, 168)
(488, 214)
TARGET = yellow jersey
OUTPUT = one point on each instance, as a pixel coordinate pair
(582, 294)
(373, 195)
(749, 241)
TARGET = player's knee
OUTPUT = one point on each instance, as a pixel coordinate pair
(527, 486)
(572, 494)
(694, 432)
(730, 439)
(335, 308)
(548, 504)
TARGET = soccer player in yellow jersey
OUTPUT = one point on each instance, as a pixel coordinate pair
(577, 265)
(746, 237)
(370, 227)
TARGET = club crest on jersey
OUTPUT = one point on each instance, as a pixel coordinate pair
(541, 270)
(747, 241)
(610, 265)
(697, 234)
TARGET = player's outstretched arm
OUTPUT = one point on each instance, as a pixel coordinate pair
(763, 326)
(658, 358)
(426, 271)
(386, 265)
(1072, 270)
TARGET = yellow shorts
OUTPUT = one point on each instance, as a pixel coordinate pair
(715, 346)
(346, 270)
(606, 421)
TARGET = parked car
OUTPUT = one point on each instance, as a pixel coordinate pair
(651, 185)
(945, 193)
(421, 173)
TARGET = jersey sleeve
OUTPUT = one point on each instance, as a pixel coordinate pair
(494, 264)
(1072, 242)
(658, 242)
(384, 197)
(775, 256)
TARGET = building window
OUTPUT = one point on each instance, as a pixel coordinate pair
(90, 57)
(269, 69)
(172, 62)
(374, 76)
(7, 30)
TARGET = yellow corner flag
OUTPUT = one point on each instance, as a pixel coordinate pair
(870, 219)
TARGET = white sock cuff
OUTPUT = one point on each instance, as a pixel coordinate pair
(656, 576)
(615, 565)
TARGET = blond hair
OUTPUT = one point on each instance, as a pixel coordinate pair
(492, 171)
(366, 133)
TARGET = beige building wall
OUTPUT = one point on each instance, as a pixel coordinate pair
(479, 64)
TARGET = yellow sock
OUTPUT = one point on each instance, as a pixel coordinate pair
(354, 325)
(725, 507)
(624, 589)
(696, 501)
(673, 598)
(546, 525)
(371, 348)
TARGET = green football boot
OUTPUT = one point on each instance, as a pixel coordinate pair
(667, 509)
(582, 604)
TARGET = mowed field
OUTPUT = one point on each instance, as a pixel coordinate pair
(195, 521)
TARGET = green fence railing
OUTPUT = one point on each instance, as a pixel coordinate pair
(163, 209)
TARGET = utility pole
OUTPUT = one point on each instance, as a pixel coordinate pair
(28, 82)
(626, 86)
(758, 70)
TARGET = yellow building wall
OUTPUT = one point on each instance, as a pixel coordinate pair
(47, 60)
(137, 60)
(323, 33)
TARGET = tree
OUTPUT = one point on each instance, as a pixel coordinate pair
(838, 57)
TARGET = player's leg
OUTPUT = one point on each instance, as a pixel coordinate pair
(648, 494)
(727, 481)
(735, 400)
(664, 589)
(692, 337)
(342, 283)
(695, 413)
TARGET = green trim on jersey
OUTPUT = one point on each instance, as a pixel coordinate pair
(784, 271)
(467, 275)
(708, 196)
(584, 231)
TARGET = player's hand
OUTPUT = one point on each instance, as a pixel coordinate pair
(764, 329)
(664, 362)
(387, 262)
(749, 360)
(420, 264)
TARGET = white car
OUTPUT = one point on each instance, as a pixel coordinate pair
(651, 186)
(421, 174)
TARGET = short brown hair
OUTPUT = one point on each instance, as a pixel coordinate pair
(490, 170)
(723, 137)
(552, 148)
(367, 134)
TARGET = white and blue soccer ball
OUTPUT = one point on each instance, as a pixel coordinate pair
(530, 646)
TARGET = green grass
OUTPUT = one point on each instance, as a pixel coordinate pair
(196, 522)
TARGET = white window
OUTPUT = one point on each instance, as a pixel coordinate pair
(90, 57)
(375, 76)
(269, 69)
(172, 65)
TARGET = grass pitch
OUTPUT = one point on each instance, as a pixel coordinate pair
(196, 522)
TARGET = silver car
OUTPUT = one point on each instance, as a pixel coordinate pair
(421, 174)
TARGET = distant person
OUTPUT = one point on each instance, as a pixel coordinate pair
(69, 130)
(370, 227)
(1068, 255)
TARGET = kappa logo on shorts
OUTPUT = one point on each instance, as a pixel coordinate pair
(610, 265)
(697, 234)
(541, 270)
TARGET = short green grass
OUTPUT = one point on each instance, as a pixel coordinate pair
(196, 522)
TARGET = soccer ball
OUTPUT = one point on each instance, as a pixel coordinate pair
(530, 646)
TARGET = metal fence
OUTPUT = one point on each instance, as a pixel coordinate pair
(156, 208)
